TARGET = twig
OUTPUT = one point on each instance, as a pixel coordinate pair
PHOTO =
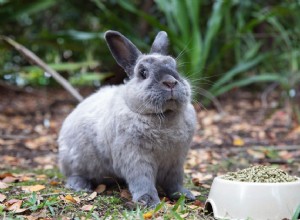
(36, 60)
(266, 93)
(239, 149)
(50, 194)
(215, 101)
(16, 137)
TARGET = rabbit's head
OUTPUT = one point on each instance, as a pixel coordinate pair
(155, 86)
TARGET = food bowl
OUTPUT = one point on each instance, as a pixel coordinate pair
(256, 201)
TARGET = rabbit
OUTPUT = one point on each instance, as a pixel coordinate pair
(139, 132)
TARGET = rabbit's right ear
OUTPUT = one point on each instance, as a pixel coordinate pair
(123, 50)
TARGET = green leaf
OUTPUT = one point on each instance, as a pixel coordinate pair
(65, 66)
(159, 206)
(296, 214)
(244, 82)
(13, 10)
(239, 68)
(213, 26)
(180, 202)
(176, 215)
(88, 78)
(80, 35)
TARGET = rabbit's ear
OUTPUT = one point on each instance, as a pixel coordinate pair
(160, 44)
(123, 50)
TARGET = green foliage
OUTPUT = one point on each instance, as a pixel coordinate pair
(296, 214)
(33, 203)
(221, 45)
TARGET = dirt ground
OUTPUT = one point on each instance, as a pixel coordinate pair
(246, 130)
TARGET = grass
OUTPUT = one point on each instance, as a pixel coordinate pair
(57, 202)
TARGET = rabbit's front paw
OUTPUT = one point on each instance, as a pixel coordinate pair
(148, 200)
(188, 195)
(78, 183)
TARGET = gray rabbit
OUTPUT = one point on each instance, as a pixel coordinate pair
(139, 132)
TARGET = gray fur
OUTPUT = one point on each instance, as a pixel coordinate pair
(160, 44)
(139, 132)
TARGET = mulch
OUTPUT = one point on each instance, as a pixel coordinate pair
(248, 129)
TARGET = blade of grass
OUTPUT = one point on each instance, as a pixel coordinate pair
(296, 214)
(12, 10)
(239, 68)
(213, 26)
(176, 215)
(247, 81)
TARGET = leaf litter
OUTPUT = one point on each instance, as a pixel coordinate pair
(247, 134)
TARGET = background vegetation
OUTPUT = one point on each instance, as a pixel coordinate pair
(220, 45)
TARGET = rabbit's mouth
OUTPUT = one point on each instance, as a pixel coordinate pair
(171, 104)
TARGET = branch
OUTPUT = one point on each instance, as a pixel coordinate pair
(36, 60)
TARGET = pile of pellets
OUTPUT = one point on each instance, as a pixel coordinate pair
(260, 174)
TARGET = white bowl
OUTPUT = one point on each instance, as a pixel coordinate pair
(256, 201)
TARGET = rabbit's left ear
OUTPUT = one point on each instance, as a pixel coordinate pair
(160, 44)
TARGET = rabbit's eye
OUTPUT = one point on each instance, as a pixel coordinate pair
(143, 73)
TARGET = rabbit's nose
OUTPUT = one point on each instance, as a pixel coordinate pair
(170, 82)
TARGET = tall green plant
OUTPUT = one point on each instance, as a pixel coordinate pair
(202, 48)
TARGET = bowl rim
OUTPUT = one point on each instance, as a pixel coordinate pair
(220, 179)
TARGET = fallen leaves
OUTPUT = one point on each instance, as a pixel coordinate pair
(148, 215)
(33, 188)
(196, 193)
(2, 197)
(70, 199)
(14, 205)
(9, 179)
(237, 141)
(3, 185)
(87, 208)
(100, 188)
(92, 196)
(4, 175)
(256, 154)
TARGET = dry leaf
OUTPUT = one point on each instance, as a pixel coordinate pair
(193, 206)
(196, 193)
(87, 207)
(2, 197)
(10, 179)
(33, 188)
(125, 194)
(184, 215)
(41, 177)
(100, 188)
(148, 215)
(92, 196)
(54, 183)
(284, 154)
(69, 198)
(198, 203)
(25, 179)
(3, 185)
(14, 205)
(77, 199)
(205, 186)
(4, 175)
(256, 154)
(196, 181)
(238, 142)
(38, 215)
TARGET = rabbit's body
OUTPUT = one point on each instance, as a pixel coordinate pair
(138, 132)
